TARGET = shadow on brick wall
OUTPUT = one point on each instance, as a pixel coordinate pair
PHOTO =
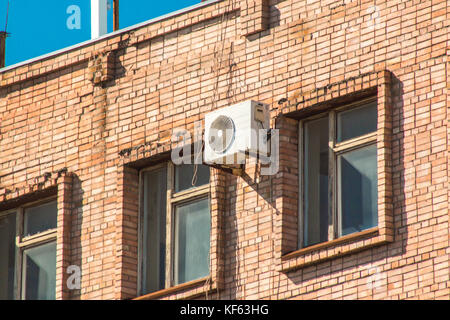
(242, 210)
(273, 21)
(47, 78)
(76, 232)
(3, 92)
(233, 265)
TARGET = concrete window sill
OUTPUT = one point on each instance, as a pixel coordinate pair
(332, 249)
(186, 290)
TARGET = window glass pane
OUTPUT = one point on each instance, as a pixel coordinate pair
(358, 189)
(316, 182)
(7, 256)
(192, 234)
(40, 218)
(154, 246)
(356, 122)
(184, 174)
(39, 272)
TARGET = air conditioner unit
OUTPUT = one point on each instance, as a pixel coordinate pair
(234, 131)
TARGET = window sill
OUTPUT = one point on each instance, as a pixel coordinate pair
(332, 249)
(182, 291)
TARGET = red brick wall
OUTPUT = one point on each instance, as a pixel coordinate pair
(124, 94)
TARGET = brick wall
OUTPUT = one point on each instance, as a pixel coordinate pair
(105, 109)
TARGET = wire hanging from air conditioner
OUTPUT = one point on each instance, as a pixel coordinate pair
(196, 161)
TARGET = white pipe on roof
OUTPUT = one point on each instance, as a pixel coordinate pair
(99, 18)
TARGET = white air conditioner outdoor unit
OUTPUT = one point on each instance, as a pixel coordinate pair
(234, 131)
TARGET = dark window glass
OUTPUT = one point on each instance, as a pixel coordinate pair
(356, 122)
(40, 218)
(316, 182)
(184, 175)
(358, 189)
(192, 235)
(154, 246)
(39, 272)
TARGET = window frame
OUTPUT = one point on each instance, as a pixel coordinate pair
(335, 149)
(26, 242)
(172, 200)
(377, 84)
(179, 202)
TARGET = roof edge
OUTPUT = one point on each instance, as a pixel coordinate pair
(109, 35)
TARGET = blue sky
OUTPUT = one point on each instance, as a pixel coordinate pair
(40, 26)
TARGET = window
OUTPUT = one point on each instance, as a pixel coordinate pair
(175, 225)
(339, 180)
(29, 262)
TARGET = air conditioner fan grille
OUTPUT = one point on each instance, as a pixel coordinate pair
(221, 134)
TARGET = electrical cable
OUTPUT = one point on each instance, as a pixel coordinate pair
(216, 71)
(196, 161)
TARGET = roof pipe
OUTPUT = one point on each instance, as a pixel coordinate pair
(3, 36)
(116, 15)
(99, 18)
